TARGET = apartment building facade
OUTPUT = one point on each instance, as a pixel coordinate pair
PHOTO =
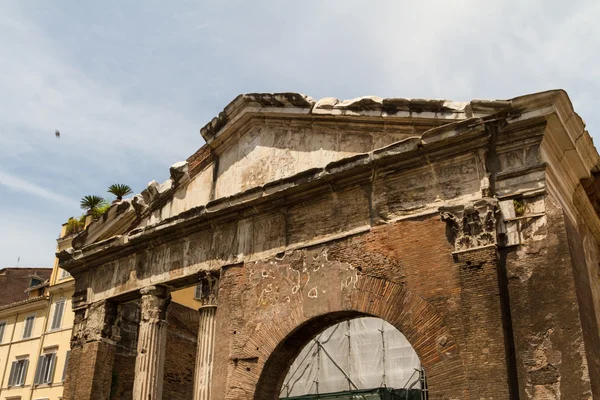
(35, 336)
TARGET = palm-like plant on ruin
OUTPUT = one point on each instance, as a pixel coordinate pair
(119, 190)
(92, 203)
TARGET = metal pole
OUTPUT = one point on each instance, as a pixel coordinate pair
(383, 352)
(318, 364)
(337, 365)
(349, 351)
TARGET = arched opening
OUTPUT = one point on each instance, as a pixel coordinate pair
(358, 357)
(278, 342)
(365, 358)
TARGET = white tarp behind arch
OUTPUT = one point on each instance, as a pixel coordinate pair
(362, 353)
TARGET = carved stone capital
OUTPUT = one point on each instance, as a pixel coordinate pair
(209, 290)
(471, 225)
(98, 322)
(154, 303)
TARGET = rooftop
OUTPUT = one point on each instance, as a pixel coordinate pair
(15, 282)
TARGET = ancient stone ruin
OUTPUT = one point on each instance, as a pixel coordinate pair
(472, 228)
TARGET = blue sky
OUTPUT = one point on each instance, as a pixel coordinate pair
(129, 84)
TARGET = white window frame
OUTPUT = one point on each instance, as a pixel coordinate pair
(3, 325)
(33, 316)
(46, 365)
(64, 274)
(22, 374)
(59, 325)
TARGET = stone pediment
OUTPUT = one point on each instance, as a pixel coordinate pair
(262, 139)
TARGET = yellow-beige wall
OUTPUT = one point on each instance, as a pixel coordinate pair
(185, 297)
(13, 346)
(42, 339)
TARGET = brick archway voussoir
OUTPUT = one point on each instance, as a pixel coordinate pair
(271, 344)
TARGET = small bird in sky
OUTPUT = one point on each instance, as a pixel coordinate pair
(57, 134)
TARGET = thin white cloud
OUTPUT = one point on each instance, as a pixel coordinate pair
(21, 185)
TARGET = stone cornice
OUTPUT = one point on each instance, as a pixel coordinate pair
(67, 284)
(367, 108)
(571, 157)
(298, 106)
(23, 306)
(444, 142)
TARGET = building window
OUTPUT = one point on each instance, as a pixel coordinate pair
(59, 309)
(18, 372)
(64, 274)
(198, 292)
(2, 329)
(35, 282)
(64, 374)
(28, 327)
(45, 368)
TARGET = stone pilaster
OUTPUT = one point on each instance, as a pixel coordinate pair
(152, 339)
(472, 229)
(206, 338)
(95, 334)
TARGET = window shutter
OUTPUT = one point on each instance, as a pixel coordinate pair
(58, 314)
(55, 316)
(38, 370)
(13, 369)
(24, 375)
(51, 368)
(28, 327)
(64, 375)
(62, 311)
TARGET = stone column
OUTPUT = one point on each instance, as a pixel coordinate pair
(90, 364)
(152, 340)
(206, 338)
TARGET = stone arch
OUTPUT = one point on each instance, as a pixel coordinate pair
(277, 344)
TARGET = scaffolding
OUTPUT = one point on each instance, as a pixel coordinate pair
(364, 358)
(367, 394)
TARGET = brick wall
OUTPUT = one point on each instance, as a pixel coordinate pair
(90, 371)
(198, 160)
(448, 308)
(584, 253)
(180, 359)
(550, 352)
(180, 353)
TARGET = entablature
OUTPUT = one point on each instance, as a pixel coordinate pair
(501, 149)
